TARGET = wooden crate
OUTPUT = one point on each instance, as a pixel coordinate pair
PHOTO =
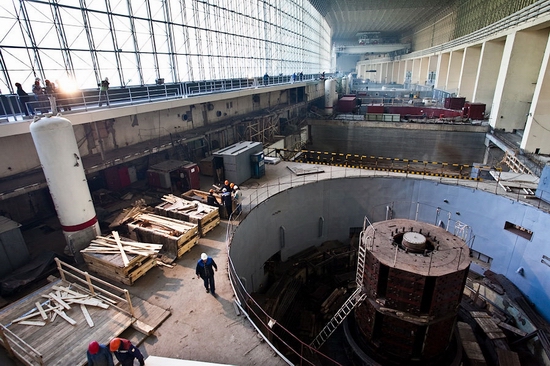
(205, 216)
(197, 195)
(206, 222)
(174, 244)
(102, 265)
(112, 266)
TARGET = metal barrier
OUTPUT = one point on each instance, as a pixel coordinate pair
(272, 331)
(11, 109)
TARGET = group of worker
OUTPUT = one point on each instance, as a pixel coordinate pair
(124, 351)
(230, 193)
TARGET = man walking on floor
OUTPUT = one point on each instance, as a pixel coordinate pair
(205, 270)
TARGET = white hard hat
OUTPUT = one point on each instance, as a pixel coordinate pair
(204, 256)
(224, 190)
(235, 187)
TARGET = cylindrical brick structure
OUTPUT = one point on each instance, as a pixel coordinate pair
(414, 277)
(59, 156)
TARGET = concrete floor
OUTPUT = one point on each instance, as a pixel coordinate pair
(201, 327)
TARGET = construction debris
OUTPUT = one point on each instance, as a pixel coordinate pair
(57, 303)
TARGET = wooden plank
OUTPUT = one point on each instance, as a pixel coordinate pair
(512, 329)
(31, 322)
(25, 317)
(91, 302)
(122, 252)
(87, 315)
(59, 301)
(143, 327)
(41, 310)
(65, 316)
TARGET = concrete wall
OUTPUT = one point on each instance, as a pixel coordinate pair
(127, 125)
(343, 203)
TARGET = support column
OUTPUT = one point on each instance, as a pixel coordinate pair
(384, 76)
(519, 70)
(487, 75)
(395, 72)
(432, 69)
(408, 71)
(537, 129)
(470, 65)
(455, 66)
(415, 72)
(401, 72)
(442, 71)
(423, 71)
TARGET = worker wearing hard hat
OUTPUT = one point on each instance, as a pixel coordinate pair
(226, 185)
(99, 355)
(237, 198)
(212, 200)
(125, 352)
(205, 270)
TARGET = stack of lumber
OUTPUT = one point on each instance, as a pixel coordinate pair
(205, 216)
(126, 215)
(58, 303)
(176, 236)
(120, 259)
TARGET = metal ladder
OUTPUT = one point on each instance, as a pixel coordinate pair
(361, 254)
(355, 299)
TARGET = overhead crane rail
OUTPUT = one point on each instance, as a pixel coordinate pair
(381, 163)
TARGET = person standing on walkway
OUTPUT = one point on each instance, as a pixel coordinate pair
(237, 197)
(125, 352)
(227, 201)
(40, 96)
(205, 270)
(104, 90)
(99, 355)
(212, 200)
(24, 100)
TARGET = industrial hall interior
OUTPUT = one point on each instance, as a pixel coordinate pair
(290, 182)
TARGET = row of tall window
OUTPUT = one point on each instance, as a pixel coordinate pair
(137, 42)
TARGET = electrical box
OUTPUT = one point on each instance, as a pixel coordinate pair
(258, 165)
(237, 166)
(162, 175)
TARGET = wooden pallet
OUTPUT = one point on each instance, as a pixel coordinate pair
(174, 242)
(60, 341)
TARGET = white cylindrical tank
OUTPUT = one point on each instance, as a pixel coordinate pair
(330, 95)
(58, 152)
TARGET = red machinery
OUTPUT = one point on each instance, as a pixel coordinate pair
(474, 111)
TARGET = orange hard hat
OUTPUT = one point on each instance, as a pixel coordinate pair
(93, 347)
(232, 185)
(114, 345)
